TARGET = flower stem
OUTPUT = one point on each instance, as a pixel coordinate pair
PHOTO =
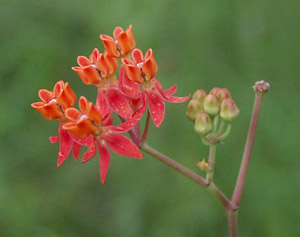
(211, 161)
(174, 165)
(237, 194)
(232, 223)
(190, 174)
(146, 129)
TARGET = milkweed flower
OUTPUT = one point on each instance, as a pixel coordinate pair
(99, 70)
(137, 79)
(52, 106)
(99, 135)
(120, 44)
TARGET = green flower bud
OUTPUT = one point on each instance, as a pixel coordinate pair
(193, 109)
(214, 90)
(229, 111)
(211, 105)
(223, 94)
(199, 95)
(203, 124)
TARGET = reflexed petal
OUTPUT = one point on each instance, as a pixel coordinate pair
(122, 145)
(53, 139)
(156, 107)
(171, 91)
(102, 103)
(87, 141)
(140, 108)
(76, 150)
(173, 99)
(65, 146)
(104, 160)
(128, 86)
(119, 103)
(124, 127)
(89, 154)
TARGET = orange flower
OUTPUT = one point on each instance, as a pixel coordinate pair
(84, 122)
(55, 102)
(122, 43)
(140, 67)
(92, 70)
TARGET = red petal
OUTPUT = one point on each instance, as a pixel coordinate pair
(89, 154)
(156, 107)
(83, 61)
(124, 127)
(65, 146)
(137, 56)
(173, 99)
(76, 150)
(122, 145)
(102, 104)
(140, 108)
(53, 139)
(104, 160)
(171, 91)
(87, 141)
(119, 103)
(128, 86)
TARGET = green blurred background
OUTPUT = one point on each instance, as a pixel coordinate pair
(198, 44)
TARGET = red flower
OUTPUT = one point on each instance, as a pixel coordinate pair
(53, 103)
(137, 80)
(67, 143)
(122, 43)
(99, 66)
(88, 124)
(140, 67)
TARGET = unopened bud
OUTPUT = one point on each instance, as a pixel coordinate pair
(199, 95)
(193, 109)
(211, 105)
(223, 94)
(203, 124)
(261, 86)
(203, 165)
(229, 110)
(214, 90)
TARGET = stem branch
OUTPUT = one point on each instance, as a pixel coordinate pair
(237, 194)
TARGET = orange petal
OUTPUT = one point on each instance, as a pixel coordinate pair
(72, 114)
(83, 61)
(149, 67)
(83, 104)
(45, 95)
(137, 56)
(92, 74)
(94, 114)
(81, 74)
(110, 46)
(117, 31)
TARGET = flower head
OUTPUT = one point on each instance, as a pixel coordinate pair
(140, 68)
(95, 68)
(121, 44)
(53, 103)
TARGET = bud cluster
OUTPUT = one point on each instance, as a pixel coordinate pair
(206, 109)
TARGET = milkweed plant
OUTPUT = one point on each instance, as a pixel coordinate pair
(127, 86)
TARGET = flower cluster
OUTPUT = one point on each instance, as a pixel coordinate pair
(206, 109)
(128, 95)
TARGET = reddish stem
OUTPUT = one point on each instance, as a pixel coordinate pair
(237, 194)
(146, 129)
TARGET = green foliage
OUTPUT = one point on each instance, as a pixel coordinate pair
(198, 44)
